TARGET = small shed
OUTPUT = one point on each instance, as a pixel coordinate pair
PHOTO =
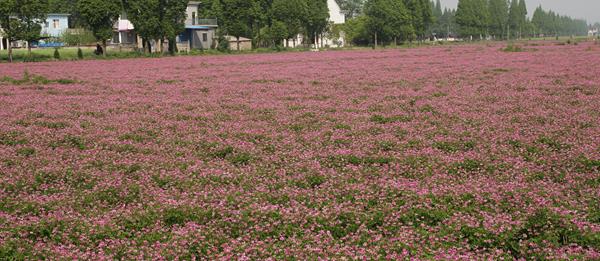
(245, 43)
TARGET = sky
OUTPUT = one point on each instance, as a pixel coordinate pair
(585, 9)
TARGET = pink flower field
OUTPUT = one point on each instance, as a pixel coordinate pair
(447, 152)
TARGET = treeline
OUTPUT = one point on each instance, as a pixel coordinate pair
(392, 20)
(551, 23)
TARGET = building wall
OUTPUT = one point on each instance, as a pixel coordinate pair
(55, 25)
(335, 12)
(191, 11)
(244, 45)
(202, 39)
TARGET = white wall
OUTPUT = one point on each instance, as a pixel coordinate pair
(335, 13)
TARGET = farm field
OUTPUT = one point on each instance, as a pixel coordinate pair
(447, 152)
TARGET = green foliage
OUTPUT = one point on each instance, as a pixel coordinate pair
(100, 16)
(388, 20)
(291, 14)
(550, 23)
(79, 54)
(157, 20)
(454, 146)
(182, 215)
(241, 158)
(76, 37)
(421, 216)
(26, 151)
(12, 138)
(498, 22)
(472, 16)
(385, 120)
(315, 180)
(513, 48)
(56, 54)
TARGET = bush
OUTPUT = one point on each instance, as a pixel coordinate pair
(79, 53)
(223, 44)
(56, 54)
(513, 48)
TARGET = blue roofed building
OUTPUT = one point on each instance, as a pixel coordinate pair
(200, 33)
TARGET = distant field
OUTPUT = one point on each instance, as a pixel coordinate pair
(470, 152)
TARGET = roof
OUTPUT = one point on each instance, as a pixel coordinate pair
(58, 14)
(202, 27)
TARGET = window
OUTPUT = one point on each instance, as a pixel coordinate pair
(193, 18)
(55, 23)
(46, 24)
(204, 37)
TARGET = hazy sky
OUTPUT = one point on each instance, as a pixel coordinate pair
(586, 9)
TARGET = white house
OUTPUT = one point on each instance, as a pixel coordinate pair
(336, 17)
(593, 32)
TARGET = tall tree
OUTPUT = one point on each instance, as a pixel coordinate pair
(420, 16)
(514, 18)
(352, 8)
(291, 13)
(522, 17)
(317, 19)
(498, 10)
(237, 20)
(142, 14)
(387, 19)
(173, 13)
(31, 14)
(100, 16)
(472, 17)
(9, 24)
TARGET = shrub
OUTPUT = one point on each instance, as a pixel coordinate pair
(79, 53)
(513, 48)
(56, 54)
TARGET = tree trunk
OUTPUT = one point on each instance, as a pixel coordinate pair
(172, 46)
(10, 53)
(375, 39)
(238, 43)
(29, 49)
(104, 48)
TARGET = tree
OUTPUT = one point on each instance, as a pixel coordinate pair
(237, 18)
(9, 24)
(317, 19)
(66, 7)
(421, 16)
(514, 18)
(277, 32)
(388, 19)
(143, 15)
(100, 16)
(472, 17)
(31, 14)
(352, 8)
(173, 13)
(498, 10)
(291, 13)
(355, 31)
(522, 17)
